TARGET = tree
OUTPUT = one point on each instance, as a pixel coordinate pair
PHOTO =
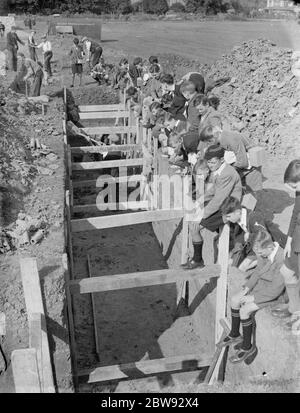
(119, 6)
(155, 6)
(206, 6)
(178, 8)
(3, 7)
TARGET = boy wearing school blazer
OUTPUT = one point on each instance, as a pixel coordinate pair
(226, 182)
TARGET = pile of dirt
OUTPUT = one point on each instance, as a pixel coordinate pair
(22, 156)
(262, 97)
(262, 93)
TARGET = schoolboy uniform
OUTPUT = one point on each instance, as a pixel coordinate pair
(226, 182)
(266, 283)
(239, 144)
(244, 232)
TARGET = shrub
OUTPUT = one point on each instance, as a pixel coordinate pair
(155, 6)
(178, 8)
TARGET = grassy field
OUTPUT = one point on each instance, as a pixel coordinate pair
(204, 41)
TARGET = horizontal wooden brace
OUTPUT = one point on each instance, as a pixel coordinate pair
(106, 148)
(82, 166)
(102, 180)
(103, 115)
(110, 221)
(111, 206)
(109, 130)
(141, 279)
(101, 108)
(145, 368)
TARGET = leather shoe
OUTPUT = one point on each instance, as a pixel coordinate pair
(242, 355)
(191, 265)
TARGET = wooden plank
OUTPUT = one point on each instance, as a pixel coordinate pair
(25, 371)
(141, 279)
(108, 130)
(94, 312)
(103, 115)
(146, 367)
(221, 296)
(83, 166)
(106, 148)
(213, 371)
(37, 329)
(112, 206)
(69, 298)
(34, 304)
(110, 221)
(101, 108)
(100, 181)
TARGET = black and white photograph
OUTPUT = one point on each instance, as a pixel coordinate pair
(149, 200)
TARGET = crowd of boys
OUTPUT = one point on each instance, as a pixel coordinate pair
(183, 116)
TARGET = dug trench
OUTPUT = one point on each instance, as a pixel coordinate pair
(145, 323)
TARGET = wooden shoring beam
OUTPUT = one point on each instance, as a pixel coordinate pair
(106, 148)
(102, 180)
(145, 368)
(108, 130)
(83, 166)
(110, 221)
(34, 305)
(101, 108)
(112, 206)
(94, 311)
(103, 115)
(213, 372)
(25, 371)
(222, 285)
(141, 279)
(70, 313)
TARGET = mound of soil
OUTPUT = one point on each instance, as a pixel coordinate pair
(262, 97)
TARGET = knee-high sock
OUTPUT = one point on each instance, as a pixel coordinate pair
(247, 326)
(235, 323)
(197, 251)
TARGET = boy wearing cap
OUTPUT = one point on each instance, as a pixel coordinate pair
(238, 144)
(226, 182)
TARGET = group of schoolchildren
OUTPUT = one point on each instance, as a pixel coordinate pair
(30, 71)
(183, 116)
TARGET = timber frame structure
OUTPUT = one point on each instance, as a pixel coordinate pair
(136, 147)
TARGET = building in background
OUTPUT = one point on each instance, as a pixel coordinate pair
(279, 4)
